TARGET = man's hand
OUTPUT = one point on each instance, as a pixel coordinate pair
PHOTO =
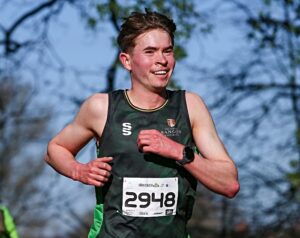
(96, 172)
(152, 141)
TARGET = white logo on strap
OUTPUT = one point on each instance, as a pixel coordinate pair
(126, 129)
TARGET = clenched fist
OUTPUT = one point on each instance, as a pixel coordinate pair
(95, 172)
(153, 141)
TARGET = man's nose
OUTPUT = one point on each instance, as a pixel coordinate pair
(161, 59)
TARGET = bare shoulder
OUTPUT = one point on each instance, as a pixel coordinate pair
(93, 112)
(96, 104)
(197, 109)
(194, 101)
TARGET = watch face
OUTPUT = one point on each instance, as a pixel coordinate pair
(188, 156)
(189, 153)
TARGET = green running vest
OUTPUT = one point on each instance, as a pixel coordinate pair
(124, 121)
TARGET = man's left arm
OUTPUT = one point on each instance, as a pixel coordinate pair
(213, 167)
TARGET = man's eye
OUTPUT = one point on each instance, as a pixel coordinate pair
(169, 51)
(149, 51)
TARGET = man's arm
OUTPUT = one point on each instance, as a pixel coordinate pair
(63, 148)
(212, 167)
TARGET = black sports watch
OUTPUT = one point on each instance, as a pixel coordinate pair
(187, 156)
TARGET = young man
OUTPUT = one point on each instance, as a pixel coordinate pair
(146, 172)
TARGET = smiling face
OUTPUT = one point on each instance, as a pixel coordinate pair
(151, 61)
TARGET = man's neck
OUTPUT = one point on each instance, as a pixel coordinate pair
(146, 99)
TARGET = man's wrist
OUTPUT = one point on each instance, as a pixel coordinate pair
(178, 152)
(75, 170)
(188, 156)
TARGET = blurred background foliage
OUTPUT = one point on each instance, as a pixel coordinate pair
(252, 91)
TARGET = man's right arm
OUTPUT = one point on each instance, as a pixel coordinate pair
(62, 149)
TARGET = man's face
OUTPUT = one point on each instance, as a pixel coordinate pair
(151, 61)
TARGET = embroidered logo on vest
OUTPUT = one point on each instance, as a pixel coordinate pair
(171, 130)
(126, 128)
(171, 122)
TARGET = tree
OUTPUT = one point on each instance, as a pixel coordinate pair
(20, 128)
(258, 94)
(24, 119)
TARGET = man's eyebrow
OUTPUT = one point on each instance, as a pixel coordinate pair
(150, 48)
(170, 47)
(156, 48)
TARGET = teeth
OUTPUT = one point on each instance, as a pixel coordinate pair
(160, 72)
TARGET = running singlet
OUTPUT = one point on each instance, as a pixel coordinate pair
(147, 195)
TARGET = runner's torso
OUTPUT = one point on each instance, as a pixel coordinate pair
(133, 205)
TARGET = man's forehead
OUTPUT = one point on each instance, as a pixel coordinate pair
(154, 38)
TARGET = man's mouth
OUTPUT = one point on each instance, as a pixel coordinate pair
(160, 72)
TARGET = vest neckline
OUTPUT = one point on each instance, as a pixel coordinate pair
(142, 109)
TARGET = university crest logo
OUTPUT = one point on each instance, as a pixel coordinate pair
(171, 130)
(171, 122)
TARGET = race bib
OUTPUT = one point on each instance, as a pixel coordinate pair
(149, 197)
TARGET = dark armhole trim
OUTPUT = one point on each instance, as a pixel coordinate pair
(108, 119)
(187, 113)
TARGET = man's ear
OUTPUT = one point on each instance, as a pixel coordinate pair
(125, 60)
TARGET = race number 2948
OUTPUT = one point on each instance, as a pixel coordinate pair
(149, 197)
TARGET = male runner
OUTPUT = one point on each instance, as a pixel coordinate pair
(146, 170)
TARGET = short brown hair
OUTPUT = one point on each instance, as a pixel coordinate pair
(138, 23)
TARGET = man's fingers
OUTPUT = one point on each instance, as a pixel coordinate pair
(100, 178)
(144, 141)
(103, 172)
(95, 183)
(146, 149)
(104, 159)
(102, 163)
(141, 144)
(145, 132)
(105, 166)
(143, 135)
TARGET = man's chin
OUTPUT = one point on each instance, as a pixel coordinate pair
(160, 88)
